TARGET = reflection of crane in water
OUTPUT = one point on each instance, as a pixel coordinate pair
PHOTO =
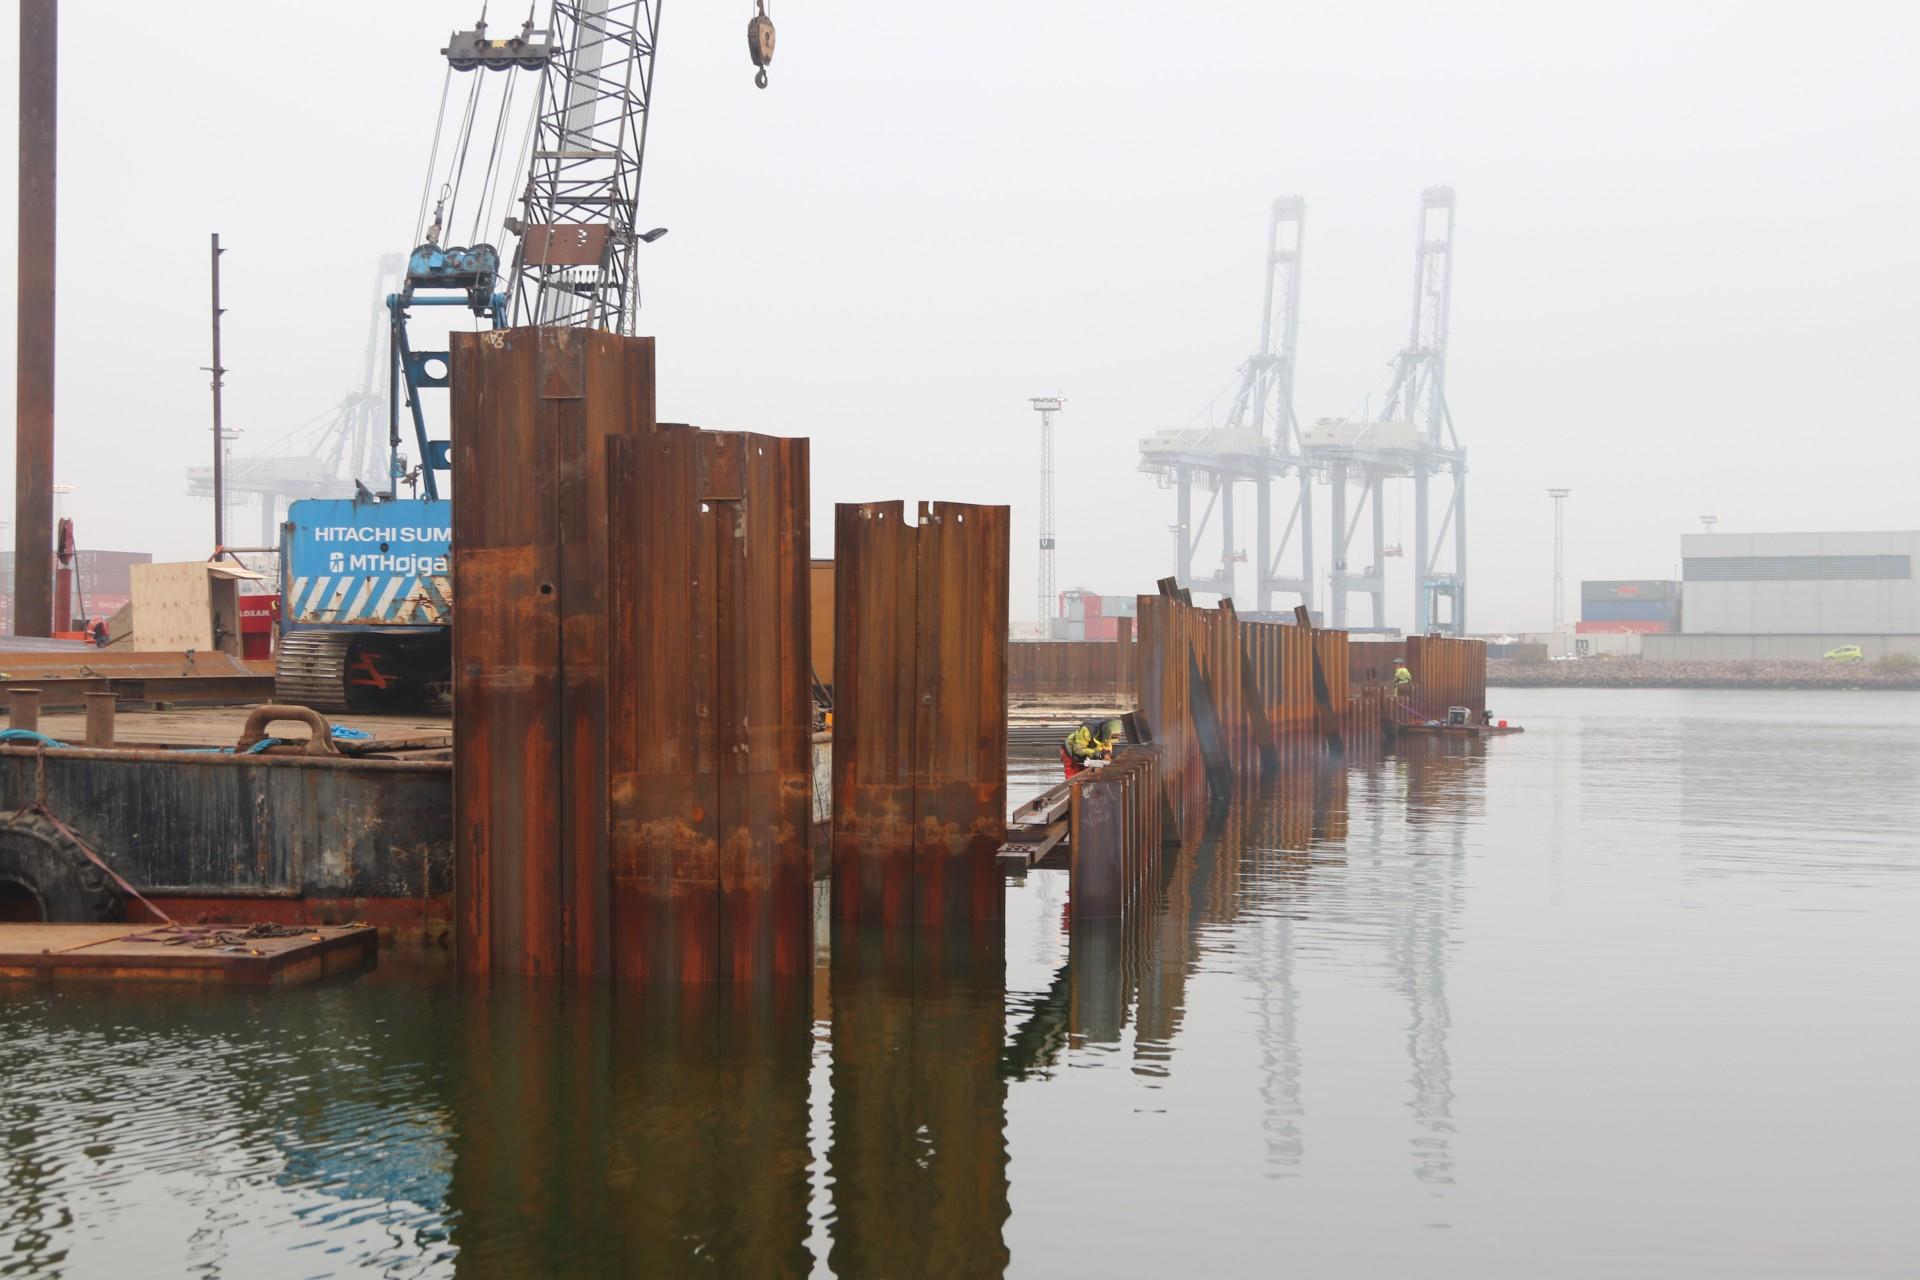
(1420, 955)
(1278, 1036)
(326, 455)
(1301, 825)
(1253, 874)
(1436, 789)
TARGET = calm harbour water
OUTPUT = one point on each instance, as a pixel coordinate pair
(1634, 994)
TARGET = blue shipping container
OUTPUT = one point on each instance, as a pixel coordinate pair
(1629, 610)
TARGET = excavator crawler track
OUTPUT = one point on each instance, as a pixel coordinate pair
(311, 670)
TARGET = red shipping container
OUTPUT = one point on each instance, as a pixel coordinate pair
(1622, 627)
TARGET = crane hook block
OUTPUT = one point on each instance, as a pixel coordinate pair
(760, 43)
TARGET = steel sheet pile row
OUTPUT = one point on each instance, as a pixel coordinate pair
(1115, 816)
(1234, 701)
(710, 765)
(920, 725)
(631, 679)
(1096, 669)
(633, 686)
(1447, 672)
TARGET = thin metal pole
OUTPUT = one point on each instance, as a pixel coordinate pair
(34, 352)
(219, 439)
(1559, 497)
(1048, 406)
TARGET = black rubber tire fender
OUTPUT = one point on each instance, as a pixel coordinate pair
(43, 860)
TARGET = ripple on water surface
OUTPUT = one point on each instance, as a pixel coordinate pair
(1629, 995)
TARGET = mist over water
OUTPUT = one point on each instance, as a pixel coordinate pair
(1629, 995)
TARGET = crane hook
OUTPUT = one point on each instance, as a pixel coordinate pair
(760, 41)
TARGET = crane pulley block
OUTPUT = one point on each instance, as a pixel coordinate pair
(530, 50)
(760, 41)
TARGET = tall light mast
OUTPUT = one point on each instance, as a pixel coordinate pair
(1048, 406)
(1559, 497)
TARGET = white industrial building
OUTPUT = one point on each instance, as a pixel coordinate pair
(1794, 595)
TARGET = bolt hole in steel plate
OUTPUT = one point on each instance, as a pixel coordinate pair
(546, 588)
(704, 508)
(434, 368)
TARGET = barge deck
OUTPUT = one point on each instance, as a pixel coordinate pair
(145, 953)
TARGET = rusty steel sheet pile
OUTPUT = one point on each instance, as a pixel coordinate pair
(709, 742)
(1097, 669)
(1114, 819)
(1447, 672)
(533, 409)
(920, 729)
(1233, 701)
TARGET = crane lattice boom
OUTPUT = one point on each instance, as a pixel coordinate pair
(574, 265)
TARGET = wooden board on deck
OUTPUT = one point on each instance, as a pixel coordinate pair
(124, 953)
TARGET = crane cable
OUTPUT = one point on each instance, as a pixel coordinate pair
(433, 157)
(457, 166)
(493, 162)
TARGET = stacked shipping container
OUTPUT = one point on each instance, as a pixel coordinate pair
(1086, 616)
(1643, 605)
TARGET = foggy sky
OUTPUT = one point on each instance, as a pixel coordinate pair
(1685, 278)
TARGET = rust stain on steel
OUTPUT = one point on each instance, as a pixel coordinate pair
(920, 687)
(1115, 825)
(532, 410)
(960, 728)
(709, 742)
(875, 592)
(663, 754)
(34, 328)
